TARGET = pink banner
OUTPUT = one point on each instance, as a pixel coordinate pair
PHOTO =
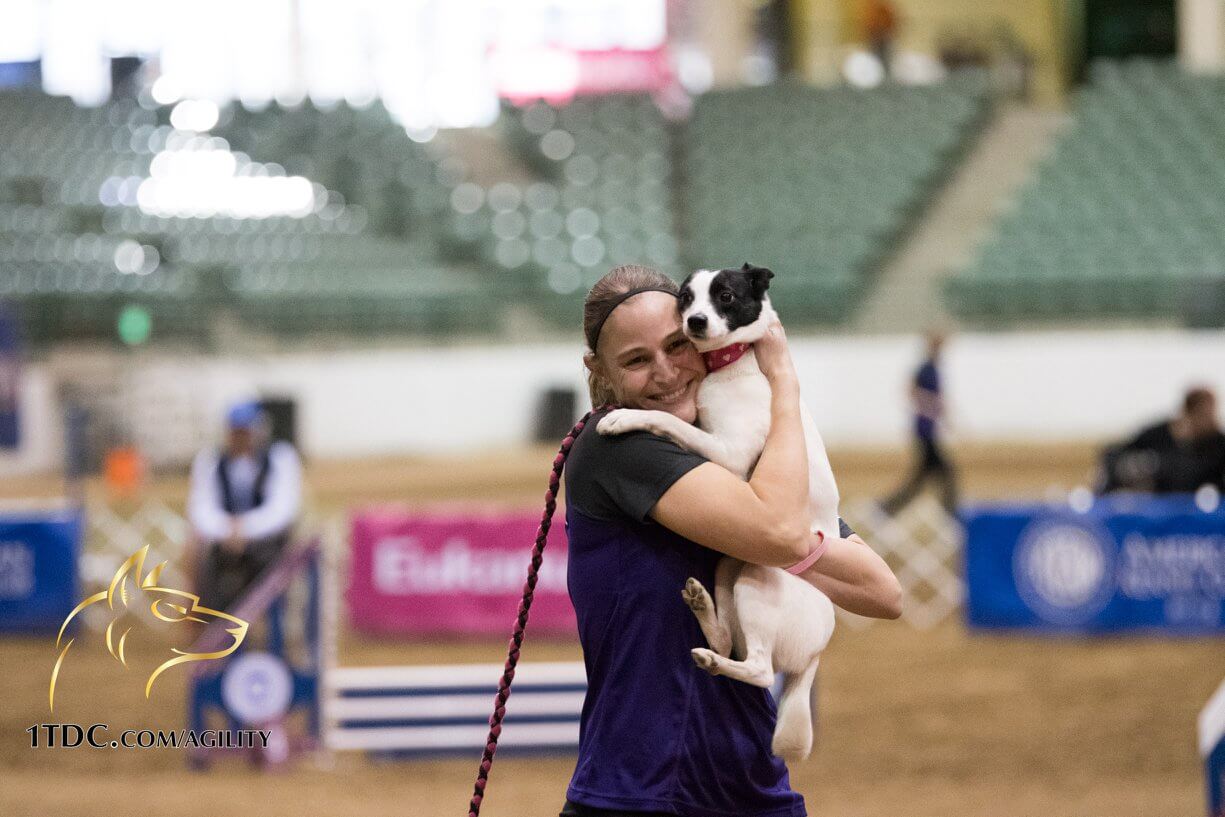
(457, 573)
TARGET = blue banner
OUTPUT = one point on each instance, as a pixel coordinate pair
(38, 570)
(1124, 564)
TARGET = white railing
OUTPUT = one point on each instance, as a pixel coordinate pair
(113, 532)
(922, 544)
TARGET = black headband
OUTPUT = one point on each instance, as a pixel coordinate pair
(616, 302)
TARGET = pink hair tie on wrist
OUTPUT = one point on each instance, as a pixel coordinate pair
(811, 559)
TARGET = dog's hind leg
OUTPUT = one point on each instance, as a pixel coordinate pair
(726, 573)
(794, 729)
(756, 669)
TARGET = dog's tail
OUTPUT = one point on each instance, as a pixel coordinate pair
(793, 732)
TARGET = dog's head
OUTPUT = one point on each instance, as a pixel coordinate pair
(722, 307)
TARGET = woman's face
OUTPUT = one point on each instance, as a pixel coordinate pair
(647, 359)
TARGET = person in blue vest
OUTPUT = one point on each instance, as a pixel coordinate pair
(243, 503)
(931, 462)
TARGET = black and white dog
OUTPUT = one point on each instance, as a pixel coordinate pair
(762, 619)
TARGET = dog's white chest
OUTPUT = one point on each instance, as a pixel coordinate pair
(734, 405)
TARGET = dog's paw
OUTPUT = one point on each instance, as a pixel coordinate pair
(705, 659)
(620, 421)
(695, 595)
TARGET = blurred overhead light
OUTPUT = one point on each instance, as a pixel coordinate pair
(565, 278)
(1208, 498)
(1080, 499)
(863, 70)
(194, 115)
(185, 183)
(132, 258)
(166, 91)
(759, 69)
(694, 70)
(535, 73)
(913, 68)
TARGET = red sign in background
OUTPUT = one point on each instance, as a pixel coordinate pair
(453, 573)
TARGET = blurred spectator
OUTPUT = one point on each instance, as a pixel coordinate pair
(1178, 455)
(879, 21)
(243, 503)
(930, 462)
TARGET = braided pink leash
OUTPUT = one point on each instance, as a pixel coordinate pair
(516, 639)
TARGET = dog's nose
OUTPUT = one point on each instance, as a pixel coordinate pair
(697, 323)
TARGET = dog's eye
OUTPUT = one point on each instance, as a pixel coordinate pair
(726, 297)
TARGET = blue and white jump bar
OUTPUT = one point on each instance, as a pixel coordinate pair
(436, 710)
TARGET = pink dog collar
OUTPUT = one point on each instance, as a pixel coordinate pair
(811, 559)
(718, 358)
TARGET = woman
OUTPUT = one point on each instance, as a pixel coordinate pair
(658, 735)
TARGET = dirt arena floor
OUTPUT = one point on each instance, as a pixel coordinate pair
(944, 723)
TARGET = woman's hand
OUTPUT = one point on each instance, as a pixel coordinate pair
(773, 356)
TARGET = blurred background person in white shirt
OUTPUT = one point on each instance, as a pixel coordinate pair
(244, 501)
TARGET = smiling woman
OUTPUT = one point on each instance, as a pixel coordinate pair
(645, 360)
(643, 515)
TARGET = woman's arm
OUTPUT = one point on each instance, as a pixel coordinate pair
(764, 520)
(856, 579)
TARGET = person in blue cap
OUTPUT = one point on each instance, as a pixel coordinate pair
(243, 503)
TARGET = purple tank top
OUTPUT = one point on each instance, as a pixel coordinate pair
(657, 733)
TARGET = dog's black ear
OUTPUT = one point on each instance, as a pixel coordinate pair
(759, 278)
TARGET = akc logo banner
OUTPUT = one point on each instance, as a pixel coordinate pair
(453, 573)
(1126, 563)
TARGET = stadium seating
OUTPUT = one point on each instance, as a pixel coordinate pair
(359, 153)
(75, 249)
(66, 279)
(820, 199)
(402, 238)
(817, 184)
(1125, 218)
(600, 194)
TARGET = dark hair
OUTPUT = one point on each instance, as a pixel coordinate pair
(615, 283)
(1196, 399)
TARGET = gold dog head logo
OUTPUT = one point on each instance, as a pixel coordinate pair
(166, 603)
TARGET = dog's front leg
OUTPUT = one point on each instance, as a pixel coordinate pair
(689, 437)
(718, 636)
